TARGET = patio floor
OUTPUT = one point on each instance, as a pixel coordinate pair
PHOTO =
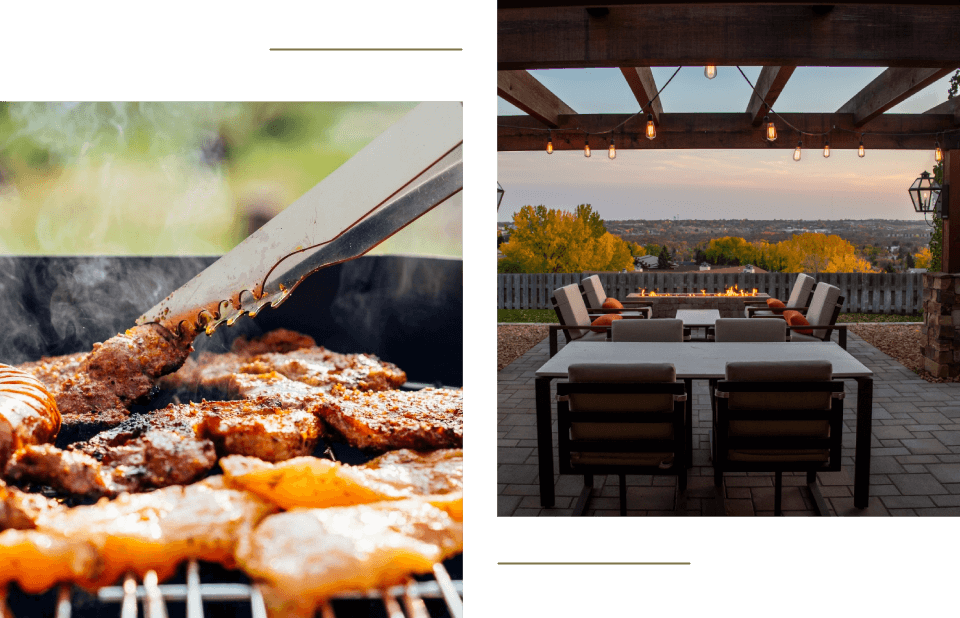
(915, 468)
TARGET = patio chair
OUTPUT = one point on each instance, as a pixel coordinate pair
(665, 330)
(594, 297)
(799, 297)
(621, 419)
(575, 320)
(745, 330)
(821, 316)
(778, 416)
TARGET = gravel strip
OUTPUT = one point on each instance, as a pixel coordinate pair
(902, 342)
(514, 340)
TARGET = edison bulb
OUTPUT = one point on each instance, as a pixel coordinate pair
(771, 131)
(586, 149)
(709, 72)
(550, 147)
(861, 151)
(651, 128)
(612, 151)
(826, 151)
(796, 153)
(938, 155)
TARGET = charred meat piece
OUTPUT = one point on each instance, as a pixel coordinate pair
(307, 555)
(28, 412)
(20, 510)
(280, 340)
(309, 482)
(421, 420)
(101, 385)
(160, 529)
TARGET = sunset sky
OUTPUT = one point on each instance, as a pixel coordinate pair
(717, 184)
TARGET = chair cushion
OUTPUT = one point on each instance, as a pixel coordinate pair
(795, 318)
(619, 374)
(612, 303)
(772, 456)
(605, 320)
(664, 330)
(745, 330)
(822, 306)
(800, 291)
(660, 460)
(775, 305)
(572, 310)
(593, 290)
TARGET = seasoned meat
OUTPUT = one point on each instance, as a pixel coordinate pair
(69, 472)
(37, 560)
(280, 340)
(19, 510)
(28, 412)
(309, 482)
(379, 421)
(100, 386)
(307, 555)
(160, 529)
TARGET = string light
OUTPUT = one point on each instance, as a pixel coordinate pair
(550, 145)
(796, 153)
(771, 130)
(651, 128)
(586, 148)
(938, 155)
(826, 149)
(612, 151)
(861, 151)
(709, 72)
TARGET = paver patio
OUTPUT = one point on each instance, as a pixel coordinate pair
(915, 468)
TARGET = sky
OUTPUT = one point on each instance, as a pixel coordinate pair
(717, 184)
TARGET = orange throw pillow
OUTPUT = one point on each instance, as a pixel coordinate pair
(612, 303)
(775, 305)
(605, 320)
(794, 318)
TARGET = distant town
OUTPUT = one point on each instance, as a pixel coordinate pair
(883, 242)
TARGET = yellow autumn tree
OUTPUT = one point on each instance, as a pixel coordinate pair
(818, 253)
(558, 241)
(922, 259)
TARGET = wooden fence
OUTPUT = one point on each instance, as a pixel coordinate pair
(899, 293)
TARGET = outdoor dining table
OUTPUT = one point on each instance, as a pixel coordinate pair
(699, 318)
(702, 361)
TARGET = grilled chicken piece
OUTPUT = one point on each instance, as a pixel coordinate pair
(28, 412)
(283, 354)
(37, 560)
(309, 482)
(379, 421)
(159, 530)
(100, 386)
(307, 555)
(20, 510)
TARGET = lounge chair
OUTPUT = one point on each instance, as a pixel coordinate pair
(799, 297)
(575, 320)
(594, 296)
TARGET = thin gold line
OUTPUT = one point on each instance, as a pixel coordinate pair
(366, 49)
(596, 563)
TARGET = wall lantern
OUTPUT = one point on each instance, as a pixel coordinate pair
(927, 195)
(500, 194)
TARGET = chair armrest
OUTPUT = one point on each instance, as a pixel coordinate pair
(554, 328)
(841, 328)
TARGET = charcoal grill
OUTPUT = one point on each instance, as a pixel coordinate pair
(406, 310)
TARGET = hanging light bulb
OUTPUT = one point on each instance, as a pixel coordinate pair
(826, 149)
(550, 146)
(771, 130)
(796, 153)
(861, 151)
(612, 151)
(709, 72)
(586, 148)
(651, 128)
(938, 155)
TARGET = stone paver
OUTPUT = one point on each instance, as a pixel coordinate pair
(915, 465)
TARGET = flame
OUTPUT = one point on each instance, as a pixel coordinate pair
(731, 291)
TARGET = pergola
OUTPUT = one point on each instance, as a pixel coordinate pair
(918, 43)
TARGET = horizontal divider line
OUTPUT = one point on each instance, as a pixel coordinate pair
(594, 563)
(366, 49)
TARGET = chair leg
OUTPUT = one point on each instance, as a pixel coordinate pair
(682, 480)
(623, 494)
(777, 488)
(584, 498)
(811, 476)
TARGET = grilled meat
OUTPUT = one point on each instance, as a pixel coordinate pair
(422, 420)
(20, 510)
(28, 412)
(37, 560)
(100, 386)
(309, 482)
(159, 530)
(307, 555)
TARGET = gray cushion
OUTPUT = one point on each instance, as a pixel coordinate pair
(594, 292)
(666, 330)
(743, 329)
(822, 306)
(800, 291)
(572, 310)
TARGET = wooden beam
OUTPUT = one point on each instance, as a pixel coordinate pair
(644, 88)
(523, 90)
(889, 88)
(950, 257)
(950, 106)
(769, 86)
(527, 4)
(729, 34)
(707, 131)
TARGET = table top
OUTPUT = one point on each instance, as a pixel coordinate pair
(702, 360)
(698, 317)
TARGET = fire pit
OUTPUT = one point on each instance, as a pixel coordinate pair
(730, 303)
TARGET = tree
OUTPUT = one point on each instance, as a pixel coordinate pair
(923, 259)
(663, 260)
(908, 260)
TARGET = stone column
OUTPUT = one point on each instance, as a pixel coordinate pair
(939, 339)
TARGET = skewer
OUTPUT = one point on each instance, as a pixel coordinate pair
(412, 602)
(64, 608)
(326, 610)
(153, 606)
(194, 600)
(257, 608)
(129, 607)
(453, 600)
(393, 608)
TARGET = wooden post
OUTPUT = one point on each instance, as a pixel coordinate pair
(951, 225)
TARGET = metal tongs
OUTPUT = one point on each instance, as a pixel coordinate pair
(412, 167)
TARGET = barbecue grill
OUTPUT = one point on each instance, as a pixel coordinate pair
(406, 310)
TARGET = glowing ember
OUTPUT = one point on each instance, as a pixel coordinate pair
(733, 291)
